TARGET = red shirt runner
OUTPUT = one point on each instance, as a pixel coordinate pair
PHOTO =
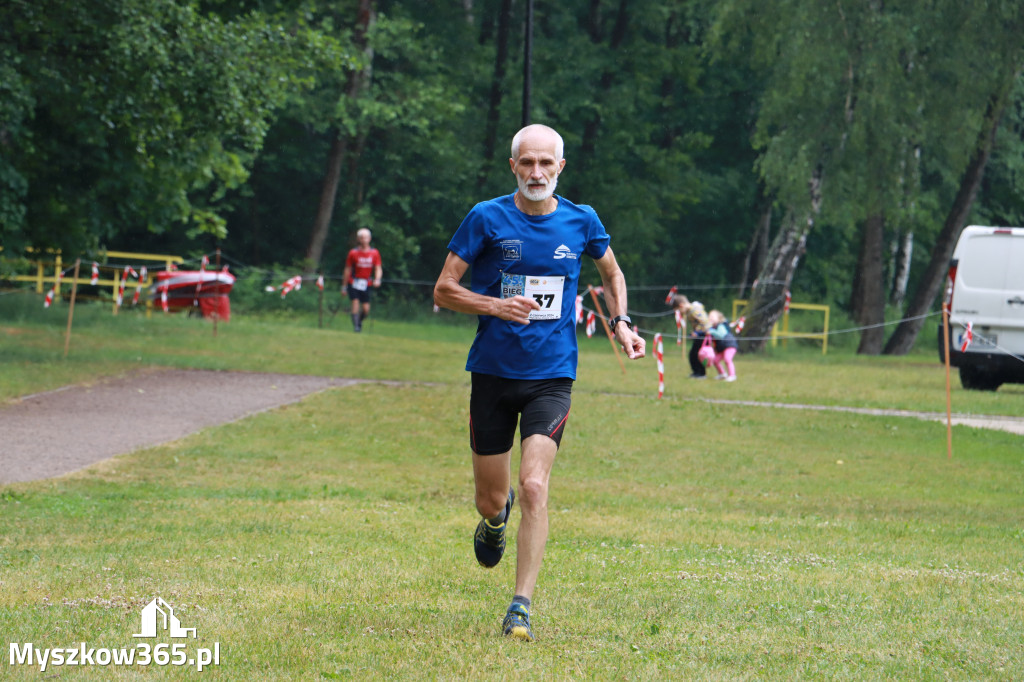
(362, 263)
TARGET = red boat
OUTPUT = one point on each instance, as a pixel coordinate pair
(184, 289)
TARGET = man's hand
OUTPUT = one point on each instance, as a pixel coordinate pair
(515, 309)
(633, 344)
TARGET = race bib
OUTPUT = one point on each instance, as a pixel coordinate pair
(360, 284)
(547, 291)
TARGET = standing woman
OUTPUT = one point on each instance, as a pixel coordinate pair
(694, 314)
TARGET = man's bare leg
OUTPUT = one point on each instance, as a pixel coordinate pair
(491, 475)
(534, 475)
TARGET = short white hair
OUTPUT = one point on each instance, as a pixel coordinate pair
(362, 230)
(559, 144)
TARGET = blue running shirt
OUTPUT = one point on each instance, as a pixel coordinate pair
(511, 252)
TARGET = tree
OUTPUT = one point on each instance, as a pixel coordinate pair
(129, 113)
(854, 94)
(903, 338)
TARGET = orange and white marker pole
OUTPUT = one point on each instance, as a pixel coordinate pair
(659, 353)
(949, 399)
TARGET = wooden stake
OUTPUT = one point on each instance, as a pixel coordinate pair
(949, 399)
(71, 308)
(607, 329)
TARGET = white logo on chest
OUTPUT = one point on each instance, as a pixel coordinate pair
(563, 251)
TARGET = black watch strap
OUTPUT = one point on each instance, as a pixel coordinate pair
(620, 318)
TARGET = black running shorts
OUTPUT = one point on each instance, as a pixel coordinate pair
(362, 295)
(496, 403)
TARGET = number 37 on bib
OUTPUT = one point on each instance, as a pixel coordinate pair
(547, 291)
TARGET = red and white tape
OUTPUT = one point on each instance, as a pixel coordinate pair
(138, 287)
(591, 324)
(52, 292)
(292, 283)
(124, 279)
(967, 337)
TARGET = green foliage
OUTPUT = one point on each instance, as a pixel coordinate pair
(873, 96)
(144, 114)
(177, 126)
(1001, 200)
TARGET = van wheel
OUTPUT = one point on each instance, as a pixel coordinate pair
(975, 379)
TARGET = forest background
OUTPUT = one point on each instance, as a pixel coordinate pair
(834, 150)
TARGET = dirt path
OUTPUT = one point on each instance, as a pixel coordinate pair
(53, 433)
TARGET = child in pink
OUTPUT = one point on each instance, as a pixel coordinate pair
(725, 345)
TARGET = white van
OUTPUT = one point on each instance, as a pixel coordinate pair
(986, 289)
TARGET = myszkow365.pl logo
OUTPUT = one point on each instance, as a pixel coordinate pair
(157, 618)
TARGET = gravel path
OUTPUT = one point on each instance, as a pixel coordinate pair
(53, 433)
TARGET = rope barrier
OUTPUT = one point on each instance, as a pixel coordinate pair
(266, 272)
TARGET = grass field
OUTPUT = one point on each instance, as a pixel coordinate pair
(689, 540)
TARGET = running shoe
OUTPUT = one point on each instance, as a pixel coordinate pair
(489, 541)
(517, 623)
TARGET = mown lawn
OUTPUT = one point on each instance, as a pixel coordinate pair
(331, 539)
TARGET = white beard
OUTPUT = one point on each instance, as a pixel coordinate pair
(541, 194)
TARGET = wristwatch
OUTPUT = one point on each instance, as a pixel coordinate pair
(620, 318)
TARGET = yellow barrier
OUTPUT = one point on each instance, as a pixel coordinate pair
(40, 279)
(785, 334)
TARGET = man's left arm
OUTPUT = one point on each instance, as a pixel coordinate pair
(378, 272)
(614, 283)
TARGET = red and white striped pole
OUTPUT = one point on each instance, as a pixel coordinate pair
(659, 354)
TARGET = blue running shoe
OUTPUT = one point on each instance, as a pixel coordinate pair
(489, 541)
(517, 623)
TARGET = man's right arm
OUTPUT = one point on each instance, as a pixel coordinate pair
(449, 293)
(344, 278)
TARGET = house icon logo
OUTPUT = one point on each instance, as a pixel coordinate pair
(158, 615)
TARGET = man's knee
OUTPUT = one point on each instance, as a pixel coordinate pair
(533, 492)
(490, 503)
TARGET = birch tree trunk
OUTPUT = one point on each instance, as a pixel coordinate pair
(768, 295)
(903, 251)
